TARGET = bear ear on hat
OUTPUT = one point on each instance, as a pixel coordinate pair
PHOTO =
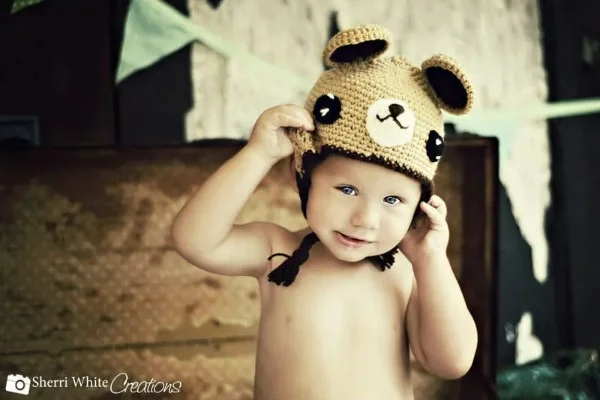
(362, 43)
(449, 82)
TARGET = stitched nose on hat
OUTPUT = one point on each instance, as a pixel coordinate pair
(390, 122)
(396, 109)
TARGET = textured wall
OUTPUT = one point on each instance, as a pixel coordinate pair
(497, 41)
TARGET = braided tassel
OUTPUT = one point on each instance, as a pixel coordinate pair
(385, 260)
(286, 273)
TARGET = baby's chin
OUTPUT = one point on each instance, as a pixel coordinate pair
(353, 257)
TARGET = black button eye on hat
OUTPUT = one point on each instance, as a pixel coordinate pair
(435, 146)
(327, 109)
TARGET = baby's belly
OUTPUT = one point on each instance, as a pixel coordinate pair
(343, 345)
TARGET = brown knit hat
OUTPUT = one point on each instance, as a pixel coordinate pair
(377, 109)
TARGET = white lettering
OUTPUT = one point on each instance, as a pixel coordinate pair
(121, 383)
(87, 382)
(39, 381)
(78, 382)
(133, 387)
(176, 386)
(115, 379)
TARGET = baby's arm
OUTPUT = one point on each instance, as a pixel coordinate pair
(204, 232)
(441, 330)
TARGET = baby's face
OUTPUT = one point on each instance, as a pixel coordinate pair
(359, 209)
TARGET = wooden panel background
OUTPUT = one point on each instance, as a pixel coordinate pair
(90, 284)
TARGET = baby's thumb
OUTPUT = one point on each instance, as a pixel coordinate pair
(302, 143)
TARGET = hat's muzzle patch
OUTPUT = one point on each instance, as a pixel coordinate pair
(390, 122)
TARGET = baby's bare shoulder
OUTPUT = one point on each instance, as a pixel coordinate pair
(286, 240)
(403, 274)
(283, 243)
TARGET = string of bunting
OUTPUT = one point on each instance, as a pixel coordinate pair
(154, 30)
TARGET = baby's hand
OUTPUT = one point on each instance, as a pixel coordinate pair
(430, 237)
(269, 134)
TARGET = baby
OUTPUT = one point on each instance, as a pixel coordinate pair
(344, 300)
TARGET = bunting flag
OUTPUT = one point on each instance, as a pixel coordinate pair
(18, 5)
(504, 123)
(154, 30)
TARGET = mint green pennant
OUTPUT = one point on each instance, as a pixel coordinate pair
(531, 112)
(154, 30)
(18, 5)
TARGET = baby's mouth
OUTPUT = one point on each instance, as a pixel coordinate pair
(353, 239)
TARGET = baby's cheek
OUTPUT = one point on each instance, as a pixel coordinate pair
(327, 203)
(320, 210)
(398, 225)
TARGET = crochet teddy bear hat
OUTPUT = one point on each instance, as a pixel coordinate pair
(377, 109)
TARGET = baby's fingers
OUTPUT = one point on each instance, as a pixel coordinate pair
(439, 204)
(283, 120)
(435, 217)
(301, 114)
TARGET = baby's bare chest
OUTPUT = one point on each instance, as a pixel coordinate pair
(333, 299)
(333, 330)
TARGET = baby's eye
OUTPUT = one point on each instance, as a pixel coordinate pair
(392, 200)
(349, 190)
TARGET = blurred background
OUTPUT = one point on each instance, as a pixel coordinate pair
(113, 112)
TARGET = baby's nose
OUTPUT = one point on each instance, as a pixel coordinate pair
(366, 217)
(395, 109)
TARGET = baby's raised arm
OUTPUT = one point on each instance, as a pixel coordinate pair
(204, 232)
